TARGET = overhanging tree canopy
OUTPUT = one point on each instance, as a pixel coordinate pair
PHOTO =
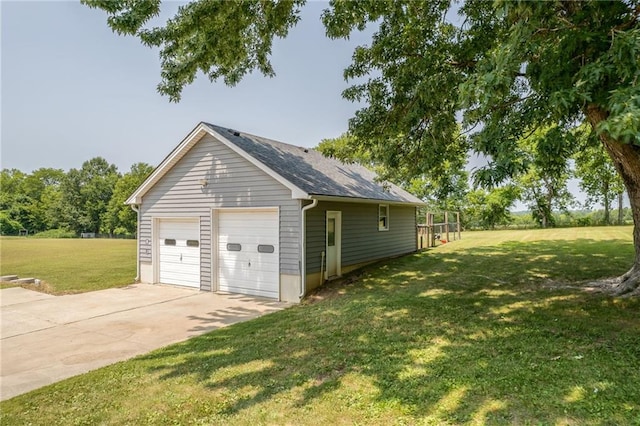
(509, 67)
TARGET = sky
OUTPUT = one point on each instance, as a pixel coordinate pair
(72, 90)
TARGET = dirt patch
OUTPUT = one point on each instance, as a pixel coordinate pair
(42, 287)
(334, 288)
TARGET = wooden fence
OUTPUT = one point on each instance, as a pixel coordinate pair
(432, 234)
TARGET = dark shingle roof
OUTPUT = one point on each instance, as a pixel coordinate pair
(314, 173)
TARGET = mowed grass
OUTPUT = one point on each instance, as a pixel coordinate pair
(70, 265)
(478, 331)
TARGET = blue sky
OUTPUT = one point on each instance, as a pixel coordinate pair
(73, 90)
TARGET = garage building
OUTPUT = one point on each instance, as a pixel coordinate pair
(232, 212)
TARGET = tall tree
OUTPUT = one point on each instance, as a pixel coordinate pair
(86, 193)
(598, 177)
(11, 201)
(488, 209)
(545, 154)
(119, 217)
(509, 66)
(25, 198)
(41, 187)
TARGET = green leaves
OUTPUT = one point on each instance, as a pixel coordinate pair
(126, 16)
(598, 177)
(221, 39)
(623, 123)
(118, 216)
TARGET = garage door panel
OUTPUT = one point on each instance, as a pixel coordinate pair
(250, 289)
(179, 262)
(255, 259)
(173, 229)
(248, 238)
(257, 265)
(257, 280)
(184, 252)
(246, 272)
(179, 277)
(249, 229)
(175, 257)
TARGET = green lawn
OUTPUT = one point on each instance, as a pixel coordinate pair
(70, 265)
(478, 331)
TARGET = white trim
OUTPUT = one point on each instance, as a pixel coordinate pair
(337, 215)
(303, 248)
(214, 250)
(155, 248)
(253, 209)
(365, 200)
(386, 228)
(136, 209)
(184, 147)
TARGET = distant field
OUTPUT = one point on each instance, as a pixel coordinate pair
(595, 233)
(70, 265)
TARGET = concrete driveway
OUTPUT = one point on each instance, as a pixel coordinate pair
(47, 338)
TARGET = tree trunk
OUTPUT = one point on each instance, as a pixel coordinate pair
(620, 209)
(626, 158)
(607, 203)
(549, 211)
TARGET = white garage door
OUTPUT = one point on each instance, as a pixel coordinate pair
(179, 242)
(248, 252)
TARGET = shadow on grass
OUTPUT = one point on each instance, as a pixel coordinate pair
(443, 337)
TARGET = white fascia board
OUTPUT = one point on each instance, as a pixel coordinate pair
(166, 164)
(365, 200)
(296, 193)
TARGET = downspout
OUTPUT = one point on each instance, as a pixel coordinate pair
(135, 209)
(303, 268)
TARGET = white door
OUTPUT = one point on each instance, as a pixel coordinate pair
(248, 252)
(179, 252)
(334, 240)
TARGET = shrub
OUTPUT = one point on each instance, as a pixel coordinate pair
(9, 226)
(56, 233)
(121, 231)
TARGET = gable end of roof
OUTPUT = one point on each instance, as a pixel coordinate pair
(304, 171)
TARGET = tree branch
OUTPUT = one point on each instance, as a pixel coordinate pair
(630, 22)
(462, 64)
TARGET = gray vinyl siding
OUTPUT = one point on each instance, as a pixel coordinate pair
(361, 240)
(232, 182)
(145, 238)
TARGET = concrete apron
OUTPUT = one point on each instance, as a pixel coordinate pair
(45, 338)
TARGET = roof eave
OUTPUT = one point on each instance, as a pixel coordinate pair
(364, 200)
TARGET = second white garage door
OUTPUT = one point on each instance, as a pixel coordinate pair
(248, 254)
